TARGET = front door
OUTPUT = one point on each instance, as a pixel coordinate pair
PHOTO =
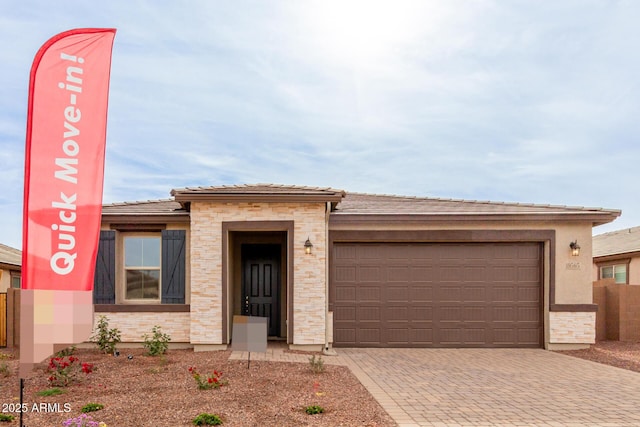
(261, 283)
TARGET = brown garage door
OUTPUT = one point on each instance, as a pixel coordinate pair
(437, 295)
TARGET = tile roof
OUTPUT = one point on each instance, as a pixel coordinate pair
(258, 189)
(9, 255)
(147, 207)
(617, 242)
(357, 203)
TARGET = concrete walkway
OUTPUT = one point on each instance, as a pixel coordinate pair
(493, 387)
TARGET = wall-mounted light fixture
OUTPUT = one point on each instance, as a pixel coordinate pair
(308, 246)
(575, 248)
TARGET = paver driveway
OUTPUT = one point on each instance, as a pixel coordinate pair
(496, 387)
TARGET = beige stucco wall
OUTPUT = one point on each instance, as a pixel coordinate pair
(5, 280)
(634, 271)
(309, 277)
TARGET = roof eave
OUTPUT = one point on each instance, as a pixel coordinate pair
(596, 218)
(145, 218)
(256, 197)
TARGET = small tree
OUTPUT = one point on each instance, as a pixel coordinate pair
(106, 339)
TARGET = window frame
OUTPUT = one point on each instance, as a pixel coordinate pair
(15, 275)
(617, 263)
(121, 284)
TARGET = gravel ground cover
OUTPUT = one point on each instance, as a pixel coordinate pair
(160, 391)
(625, 355)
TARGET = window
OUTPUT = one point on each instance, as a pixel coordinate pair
(15, 281)
(617, 272)
(142, 268)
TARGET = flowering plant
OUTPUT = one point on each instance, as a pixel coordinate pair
(64, 370)
(213, 380)
(83, 420)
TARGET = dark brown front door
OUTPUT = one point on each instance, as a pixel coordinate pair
(261, 283)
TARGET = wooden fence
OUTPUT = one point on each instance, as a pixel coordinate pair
(3, 319)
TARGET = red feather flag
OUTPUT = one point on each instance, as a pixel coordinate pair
(64, 172)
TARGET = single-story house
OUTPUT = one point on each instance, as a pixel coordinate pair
(10, 267)
(332, 268)
(616, 255)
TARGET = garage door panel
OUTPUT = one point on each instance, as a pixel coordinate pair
(346, 293)
(421, 292)
(345, 274)
(394, 294)
(474, 294)
(529, 274)
(474, 314)
(370, 274)
(449, 293)
(449, 313)
(503, 293)
(503, 314)
(346, 336)
(528, 314)
(529, 294)
(422, 313)
(399, 273)
(368, 294)
(474, 336)
(345, 314)
(421, 336)
(397, 313)
(368, 313)
(437, 295)
(368, 335)
(420, 273)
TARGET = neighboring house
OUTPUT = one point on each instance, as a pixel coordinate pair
(616, 255)
(344, 269)
(10, 267)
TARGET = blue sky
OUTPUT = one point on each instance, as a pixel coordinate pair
(513, 101)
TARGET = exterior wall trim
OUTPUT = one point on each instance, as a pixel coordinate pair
(257, 198)
(597, 218)
(141, 308)
(574, 308)
(147, 219)
(616, 257)
(229, 226)
(138, 227)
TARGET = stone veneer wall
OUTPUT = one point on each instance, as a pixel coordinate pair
(134, 325)
(309, 277)
(572, 327)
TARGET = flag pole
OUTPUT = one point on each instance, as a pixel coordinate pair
(21, 400)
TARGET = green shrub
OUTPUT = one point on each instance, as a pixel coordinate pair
(316, 365)
(207, 420)
(5, 371)
(6, 418)
(50, 392)
(106, 339)
(157, 343)
(314, 409)
(69, 351)
(92, 407)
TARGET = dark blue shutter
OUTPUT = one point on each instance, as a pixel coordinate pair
(173, 266)
(104, 289)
